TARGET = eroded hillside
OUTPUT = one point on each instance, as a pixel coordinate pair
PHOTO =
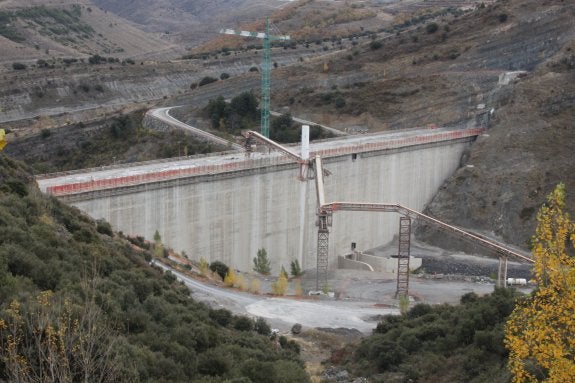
(48, 30)
(526, 153)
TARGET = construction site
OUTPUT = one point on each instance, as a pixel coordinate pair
(287, 191)
(354, 202)
(287, 201)
(228, 206)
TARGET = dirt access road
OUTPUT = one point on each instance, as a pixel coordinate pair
(283, 313)
(362, 297)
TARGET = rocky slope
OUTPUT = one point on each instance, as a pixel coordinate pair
(527, 151)
(442, 76)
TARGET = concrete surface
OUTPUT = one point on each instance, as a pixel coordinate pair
(228, 218)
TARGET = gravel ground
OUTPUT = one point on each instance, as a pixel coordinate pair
(359, 298)
(443, 262)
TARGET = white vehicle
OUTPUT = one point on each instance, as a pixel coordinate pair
(516, 281)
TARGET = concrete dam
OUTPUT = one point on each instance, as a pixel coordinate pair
(227, 206)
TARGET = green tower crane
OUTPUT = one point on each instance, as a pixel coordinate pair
(266, 70)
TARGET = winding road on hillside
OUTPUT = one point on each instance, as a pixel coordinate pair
(163, 114)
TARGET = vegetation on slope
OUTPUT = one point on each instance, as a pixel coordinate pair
(242, 113)
(442, 343)
(121, 139)
(77, 302)
(61, 24)
(476, 341)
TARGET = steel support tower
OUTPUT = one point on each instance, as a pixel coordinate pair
(322, 251)
(403, 254)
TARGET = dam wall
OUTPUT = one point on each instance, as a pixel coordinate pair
(229, 215)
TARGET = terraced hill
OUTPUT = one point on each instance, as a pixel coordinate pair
(32, 30)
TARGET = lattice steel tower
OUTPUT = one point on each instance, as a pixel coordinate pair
(266, 70)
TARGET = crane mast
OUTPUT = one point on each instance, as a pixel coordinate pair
(266, 83)
(266, 71)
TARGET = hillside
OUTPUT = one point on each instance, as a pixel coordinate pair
(443, 343)
(191, 22)
(526, 153)
(316, 22)
(78, 300)
(58, 29)
(120, 139)
(446, 75)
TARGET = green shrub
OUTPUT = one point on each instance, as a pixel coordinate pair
(220, 268)
(213, 363)
(288, 371)
(96, 59)
(295, 268)
(103, 227)
(374, 45)
(243, 323)
(262, 327)
(291, 345)
(259, 372)
(431, 28)
(42, 63)
(18, 66)
(207, 80)
(170, 277)
(387, 323)
(222, 317)
(419, 310)
(386, 354)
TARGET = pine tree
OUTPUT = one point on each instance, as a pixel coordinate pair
(295, 268)
(540, 333)
(262, 264)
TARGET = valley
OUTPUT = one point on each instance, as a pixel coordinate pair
(74, 93)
